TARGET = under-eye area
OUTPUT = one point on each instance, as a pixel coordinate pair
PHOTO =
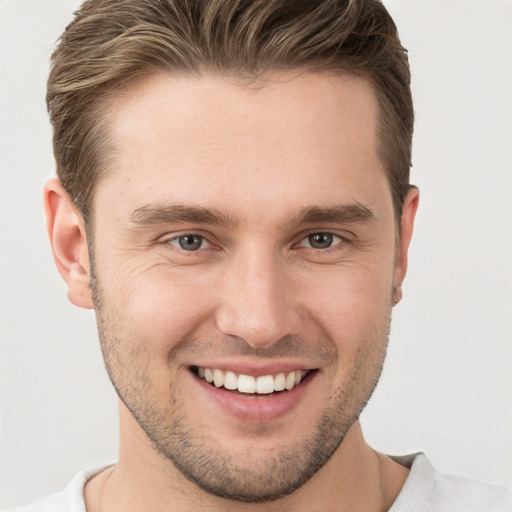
(248, 384)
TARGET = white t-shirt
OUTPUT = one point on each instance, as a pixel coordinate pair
(425, 490)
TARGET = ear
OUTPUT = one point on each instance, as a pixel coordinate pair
(69, 243)
(406, 228)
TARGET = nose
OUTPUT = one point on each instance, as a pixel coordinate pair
(256, 301)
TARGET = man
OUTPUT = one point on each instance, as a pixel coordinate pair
(234, 202)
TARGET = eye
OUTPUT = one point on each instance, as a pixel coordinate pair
(320, 240)
(190, 242)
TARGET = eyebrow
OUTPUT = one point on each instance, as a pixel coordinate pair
(169, 214)
(339, 214)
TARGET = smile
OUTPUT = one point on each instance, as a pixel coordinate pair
(263, 385)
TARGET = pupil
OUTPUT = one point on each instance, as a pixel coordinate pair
(320, 240)
(190, 242)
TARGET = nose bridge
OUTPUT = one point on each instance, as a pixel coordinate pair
(255, 303)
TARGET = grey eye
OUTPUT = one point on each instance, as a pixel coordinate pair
(320, 240)
(189, 242)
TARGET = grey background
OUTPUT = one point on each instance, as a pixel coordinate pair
(447, 386)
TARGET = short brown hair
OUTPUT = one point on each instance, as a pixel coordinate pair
(111, 43)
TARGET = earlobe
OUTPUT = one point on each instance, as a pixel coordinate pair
(406, 229)
(69, 243)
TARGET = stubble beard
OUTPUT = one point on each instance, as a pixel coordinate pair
(196, 455)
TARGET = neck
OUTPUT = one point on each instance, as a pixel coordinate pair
(356, 478)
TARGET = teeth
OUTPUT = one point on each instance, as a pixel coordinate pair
(264, 385)
(230, 380)
(218, 378)
(290, 381)
(246, 384)
(208, 375)
(279, 382)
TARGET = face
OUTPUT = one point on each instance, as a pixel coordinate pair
(245, 236)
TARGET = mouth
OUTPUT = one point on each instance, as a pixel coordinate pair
(252, 385)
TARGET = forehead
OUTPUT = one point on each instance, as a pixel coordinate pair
(310, 137)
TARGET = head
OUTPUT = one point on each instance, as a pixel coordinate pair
(112, 44)
(238, 171)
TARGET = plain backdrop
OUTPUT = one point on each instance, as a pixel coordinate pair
(447, 384)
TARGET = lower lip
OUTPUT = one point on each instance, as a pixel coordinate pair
(253, 407)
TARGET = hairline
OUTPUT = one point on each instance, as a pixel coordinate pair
(107, 104)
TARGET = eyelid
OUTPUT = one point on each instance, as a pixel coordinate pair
(204, 241)
(170, 237)
(340, 239)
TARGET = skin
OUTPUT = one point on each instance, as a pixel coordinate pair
(255, 295)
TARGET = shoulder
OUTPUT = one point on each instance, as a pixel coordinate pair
(428, 490)
(69, 500)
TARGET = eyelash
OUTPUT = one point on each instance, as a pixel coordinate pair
(332, 245)
(197, 235)
(336, 240)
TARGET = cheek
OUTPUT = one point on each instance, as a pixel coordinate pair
(155, 306)
(353, 304)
